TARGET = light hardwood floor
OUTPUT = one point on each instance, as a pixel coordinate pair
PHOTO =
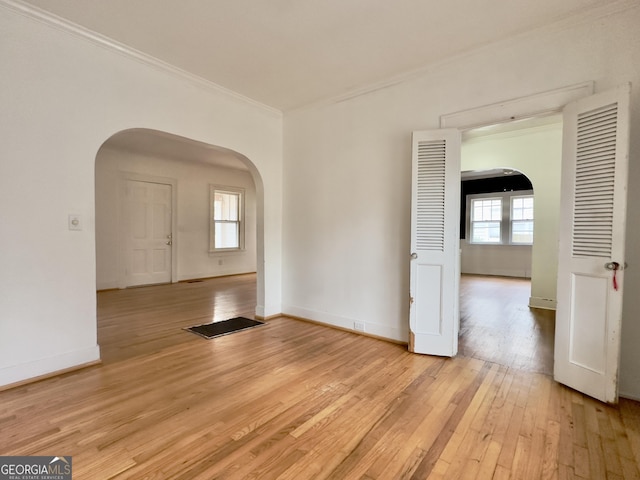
(296, 400)
(497, 325)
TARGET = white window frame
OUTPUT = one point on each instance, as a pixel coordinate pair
(473, 222)
(213, 189)
(512, 221)
(505, 223)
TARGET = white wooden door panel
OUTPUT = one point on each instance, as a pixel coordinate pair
(435, 275)
(149, 238)
(429, 308)
(592, 231)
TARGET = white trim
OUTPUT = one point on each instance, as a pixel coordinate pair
(100, 40)
(63, 24)
(384, 331)
(537, 105)
(345, 323)
(588, 16)
(506, 199)
(123, 177)
(482, 197)
(241, 219)
(44, 366)
(629, 396)
(545, 303)
(110, 285)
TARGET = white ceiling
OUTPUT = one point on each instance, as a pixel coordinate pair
(289, 53)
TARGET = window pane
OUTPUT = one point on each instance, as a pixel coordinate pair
(522, 208)
(516, 211)
(496, 211)
(226, 206)
(485, 210)
(477, 210)
(485, 232)
(227, 235)
(522, 232)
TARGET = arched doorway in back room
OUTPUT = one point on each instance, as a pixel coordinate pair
(508, 242)
(155, 228)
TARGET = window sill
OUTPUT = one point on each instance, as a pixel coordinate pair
(226, 251)
(500, 244)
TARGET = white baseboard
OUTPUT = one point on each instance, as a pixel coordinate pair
(498, 272)
(225, 272)
(630, 396)
(316, 316)
(369, 328)
(44, 366)
(383, 331)
(545, 303)
(110, 285)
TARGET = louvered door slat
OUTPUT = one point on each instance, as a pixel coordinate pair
(430, 195)
(594, 187)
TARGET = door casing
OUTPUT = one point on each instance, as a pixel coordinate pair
(123, 227)
(546, 103)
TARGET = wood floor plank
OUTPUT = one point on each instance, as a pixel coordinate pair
(296, 400)
(549, 468)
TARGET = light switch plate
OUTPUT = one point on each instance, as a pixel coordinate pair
(75, 222)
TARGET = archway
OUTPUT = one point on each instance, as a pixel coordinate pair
(190, 169)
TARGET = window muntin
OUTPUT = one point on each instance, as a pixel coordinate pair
(522, 220)
(227, 228)
(486, 218)
(493, 219)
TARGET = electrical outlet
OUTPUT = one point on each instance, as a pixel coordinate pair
(358, 326)
(220, 262)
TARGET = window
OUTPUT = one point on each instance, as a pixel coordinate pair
(226, 226)
(502, 218)
(486, 217)
(522, 220)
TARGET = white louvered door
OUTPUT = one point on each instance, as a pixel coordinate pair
(435, 239)
(592, 231)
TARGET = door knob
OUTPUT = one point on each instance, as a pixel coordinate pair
(414, 256)
(615, 266)
(169, 242)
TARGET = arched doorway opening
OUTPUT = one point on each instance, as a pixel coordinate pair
(154, 223)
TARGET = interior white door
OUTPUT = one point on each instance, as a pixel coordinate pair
(435, 243)
(592, 231)
(149, 236)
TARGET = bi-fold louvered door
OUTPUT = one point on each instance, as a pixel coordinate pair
(435, 227)
(592, 231)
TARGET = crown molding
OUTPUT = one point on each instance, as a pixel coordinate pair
(589, 16)
(55, 21)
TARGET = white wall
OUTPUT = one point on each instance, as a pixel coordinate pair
(62, 96)
(192, 235)
(537, 153)
(347, 172)
(502, 260)
(344, 243)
